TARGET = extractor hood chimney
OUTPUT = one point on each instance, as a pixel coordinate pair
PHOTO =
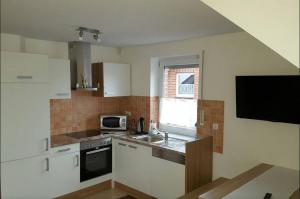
(80, 59)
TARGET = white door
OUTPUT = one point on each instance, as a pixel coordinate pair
(26, 179)
(65, 173)
(59, 76)
(116, 79)
(25, 120)
(23, 67)
(167, 179)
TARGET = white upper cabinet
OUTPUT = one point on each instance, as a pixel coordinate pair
(112, 79)
(116, 79)
(59, 77)
(23, 67)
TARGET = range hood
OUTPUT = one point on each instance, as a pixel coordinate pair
(80, 63)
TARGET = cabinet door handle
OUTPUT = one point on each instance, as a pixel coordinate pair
(202, 114)
(133, 147)
(47, 164)
(24, 77)
(47, 144)
(63, 150)
(62, 94)
(77, 160)
(121, 144)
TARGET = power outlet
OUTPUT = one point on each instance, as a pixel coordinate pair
(215, 126)
(128, 113)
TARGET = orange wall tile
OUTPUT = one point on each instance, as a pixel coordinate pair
(82, 111)
(214, 113)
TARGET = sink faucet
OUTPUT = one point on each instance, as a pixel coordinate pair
(161, 133)
(166, 136)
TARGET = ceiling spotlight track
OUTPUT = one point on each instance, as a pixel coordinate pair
(97, 34)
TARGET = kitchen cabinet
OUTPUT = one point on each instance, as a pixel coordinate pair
(23, 68)
(26, 178)
(25, 120)
(64, 169)
(111, 79)
(59, 78)
(167, 179)
(132, 165)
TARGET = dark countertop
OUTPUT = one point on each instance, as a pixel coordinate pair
(71, 138)
(60, 140)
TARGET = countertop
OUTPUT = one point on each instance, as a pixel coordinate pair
(65, 139)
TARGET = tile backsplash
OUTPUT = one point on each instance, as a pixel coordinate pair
(82, 111)
(213, 114)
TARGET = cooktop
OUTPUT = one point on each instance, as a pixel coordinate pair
(84, 134)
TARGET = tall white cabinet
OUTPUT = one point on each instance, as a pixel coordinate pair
(25, 125)
(25, 111)
(25, 121)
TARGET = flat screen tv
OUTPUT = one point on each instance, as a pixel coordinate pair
(271, 98)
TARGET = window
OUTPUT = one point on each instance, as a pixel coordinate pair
(178, 103)
(185, 85)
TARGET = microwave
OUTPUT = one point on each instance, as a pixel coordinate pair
(113, 122)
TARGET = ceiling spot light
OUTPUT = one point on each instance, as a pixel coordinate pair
(97, 37)
(97, 34)
(80, 38)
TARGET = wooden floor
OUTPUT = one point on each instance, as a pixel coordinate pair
(108, 194)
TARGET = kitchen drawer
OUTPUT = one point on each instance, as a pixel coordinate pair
(70, 148)
(24, 67)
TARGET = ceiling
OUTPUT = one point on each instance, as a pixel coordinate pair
(124, 22)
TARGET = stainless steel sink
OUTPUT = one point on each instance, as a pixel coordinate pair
(149, 138)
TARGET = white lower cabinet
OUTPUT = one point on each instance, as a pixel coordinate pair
(131, 165)
(64, 169)
(134, 166)
(26, 178)
(167, 179)
(42, 177)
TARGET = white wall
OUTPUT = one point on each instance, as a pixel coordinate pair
(53, 49)
(10, 42)
(246, 142)
(275, 23)
(105, 54)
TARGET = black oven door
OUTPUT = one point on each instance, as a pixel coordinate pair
(95, 162)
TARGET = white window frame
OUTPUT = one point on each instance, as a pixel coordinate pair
(175, 129)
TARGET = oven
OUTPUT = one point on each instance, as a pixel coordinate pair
(95, 158)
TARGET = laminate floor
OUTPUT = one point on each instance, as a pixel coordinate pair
(108, 194)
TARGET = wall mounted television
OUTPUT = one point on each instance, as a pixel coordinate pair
(271, 98)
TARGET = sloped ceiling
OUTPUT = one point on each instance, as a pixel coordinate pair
(274, 23)
(123, 22)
